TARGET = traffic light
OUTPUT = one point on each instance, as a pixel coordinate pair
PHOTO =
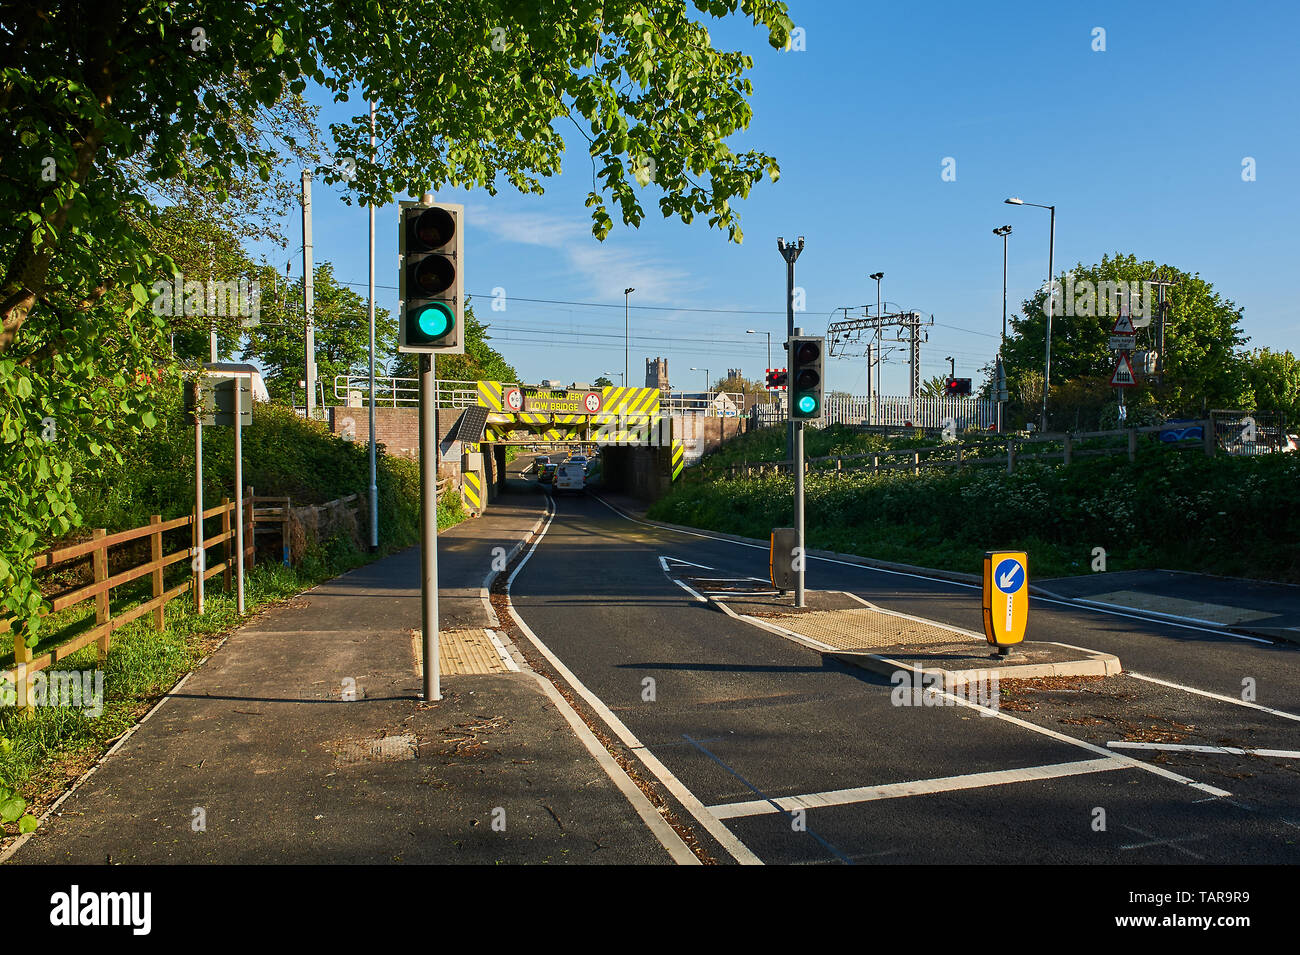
(956, 387)
(806, 377)
(776, 379)
(432, 282)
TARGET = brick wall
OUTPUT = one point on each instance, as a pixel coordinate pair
(398, 430)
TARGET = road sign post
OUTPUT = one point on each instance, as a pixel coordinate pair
(1005, 598)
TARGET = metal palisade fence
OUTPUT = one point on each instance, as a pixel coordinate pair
(966, 414)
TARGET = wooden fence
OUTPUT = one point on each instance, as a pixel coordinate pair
(27, 664)
(958, 454)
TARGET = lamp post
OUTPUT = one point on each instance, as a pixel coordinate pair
(876, 361)
(750, 331)
(622, 380)
(706, 381)
(626, 327)
(791, 254)
(1051, 251)
(1000, 375)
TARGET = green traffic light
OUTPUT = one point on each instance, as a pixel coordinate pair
(435, 321)
(807, 404)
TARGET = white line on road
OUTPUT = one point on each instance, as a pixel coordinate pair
(917, 787)
(1217, 696)
(663, 562)
(1082, 744)
(937, 580)
(738, 850)
(688, 590)
(1192, 748)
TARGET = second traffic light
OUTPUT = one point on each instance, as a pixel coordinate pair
(807, 377)
(956, 387)
(432, 281)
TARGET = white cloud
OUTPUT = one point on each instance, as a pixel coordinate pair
(605, 269)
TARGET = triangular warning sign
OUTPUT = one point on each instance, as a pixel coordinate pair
(1124, 325)
(1123, 377)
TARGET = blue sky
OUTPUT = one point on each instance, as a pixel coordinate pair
(1140, 147)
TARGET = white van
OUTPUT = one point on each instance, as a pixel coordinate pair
(570, 477)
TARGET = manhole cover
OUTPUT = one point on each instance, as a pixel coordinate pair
(389, 749)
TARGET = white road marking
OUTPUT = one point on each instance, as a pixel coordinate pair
(1193, 748)
(1082, 744)
(663, 562)
(666, 834)
(737, 849)
(918, 787)
(1217, 696)
(938, 580)
(688, 590)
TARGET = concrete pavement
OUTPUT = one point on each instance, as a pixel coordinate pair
(303, 740)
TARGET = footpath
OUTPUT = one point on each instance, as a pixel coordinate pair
(303, 739)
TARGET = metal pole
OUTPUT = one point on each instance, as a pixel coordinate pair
(212, 326)
(789, 324)
(798, 505)
(199, 556)
(626, 334)
(239, 383)
(374, 486)
(1047, 364)
(308, 304)
(429, 529)
(1001, 348)
(790, 253)
(869, 421)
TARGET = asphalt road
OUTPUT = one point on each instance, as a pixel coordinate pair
(739, 716)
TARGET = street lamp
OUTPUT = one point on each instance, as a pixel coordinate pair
(1051, 251)
(626, 293)
(877, 276)
(1003, 231)
(706, 381)
(750, 331)
(622, 380)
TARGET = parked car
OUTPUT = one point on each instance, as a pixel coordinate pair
(570, 476)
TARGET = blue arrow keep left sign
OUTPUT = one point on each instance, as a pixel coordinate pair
(1009, 575)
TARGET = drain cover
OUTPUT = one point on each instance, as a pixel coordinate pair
(349, 752)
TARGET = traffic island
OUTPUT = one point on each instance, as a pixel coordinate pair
(847, 628)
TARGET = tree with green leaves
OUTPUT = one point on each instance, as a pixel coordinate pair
(1273, 378)
(935, 387)
(342, 326)
(105, 104)
(1202, 338)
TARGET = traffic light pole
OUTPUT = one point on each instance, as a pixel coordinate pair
(790, 253)
(429, 529)
(798, 513)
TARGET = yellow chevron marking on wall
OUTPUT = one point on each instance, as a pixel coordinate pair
(679, 458)
(471, 490)
(490, 395)
(630, 400)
